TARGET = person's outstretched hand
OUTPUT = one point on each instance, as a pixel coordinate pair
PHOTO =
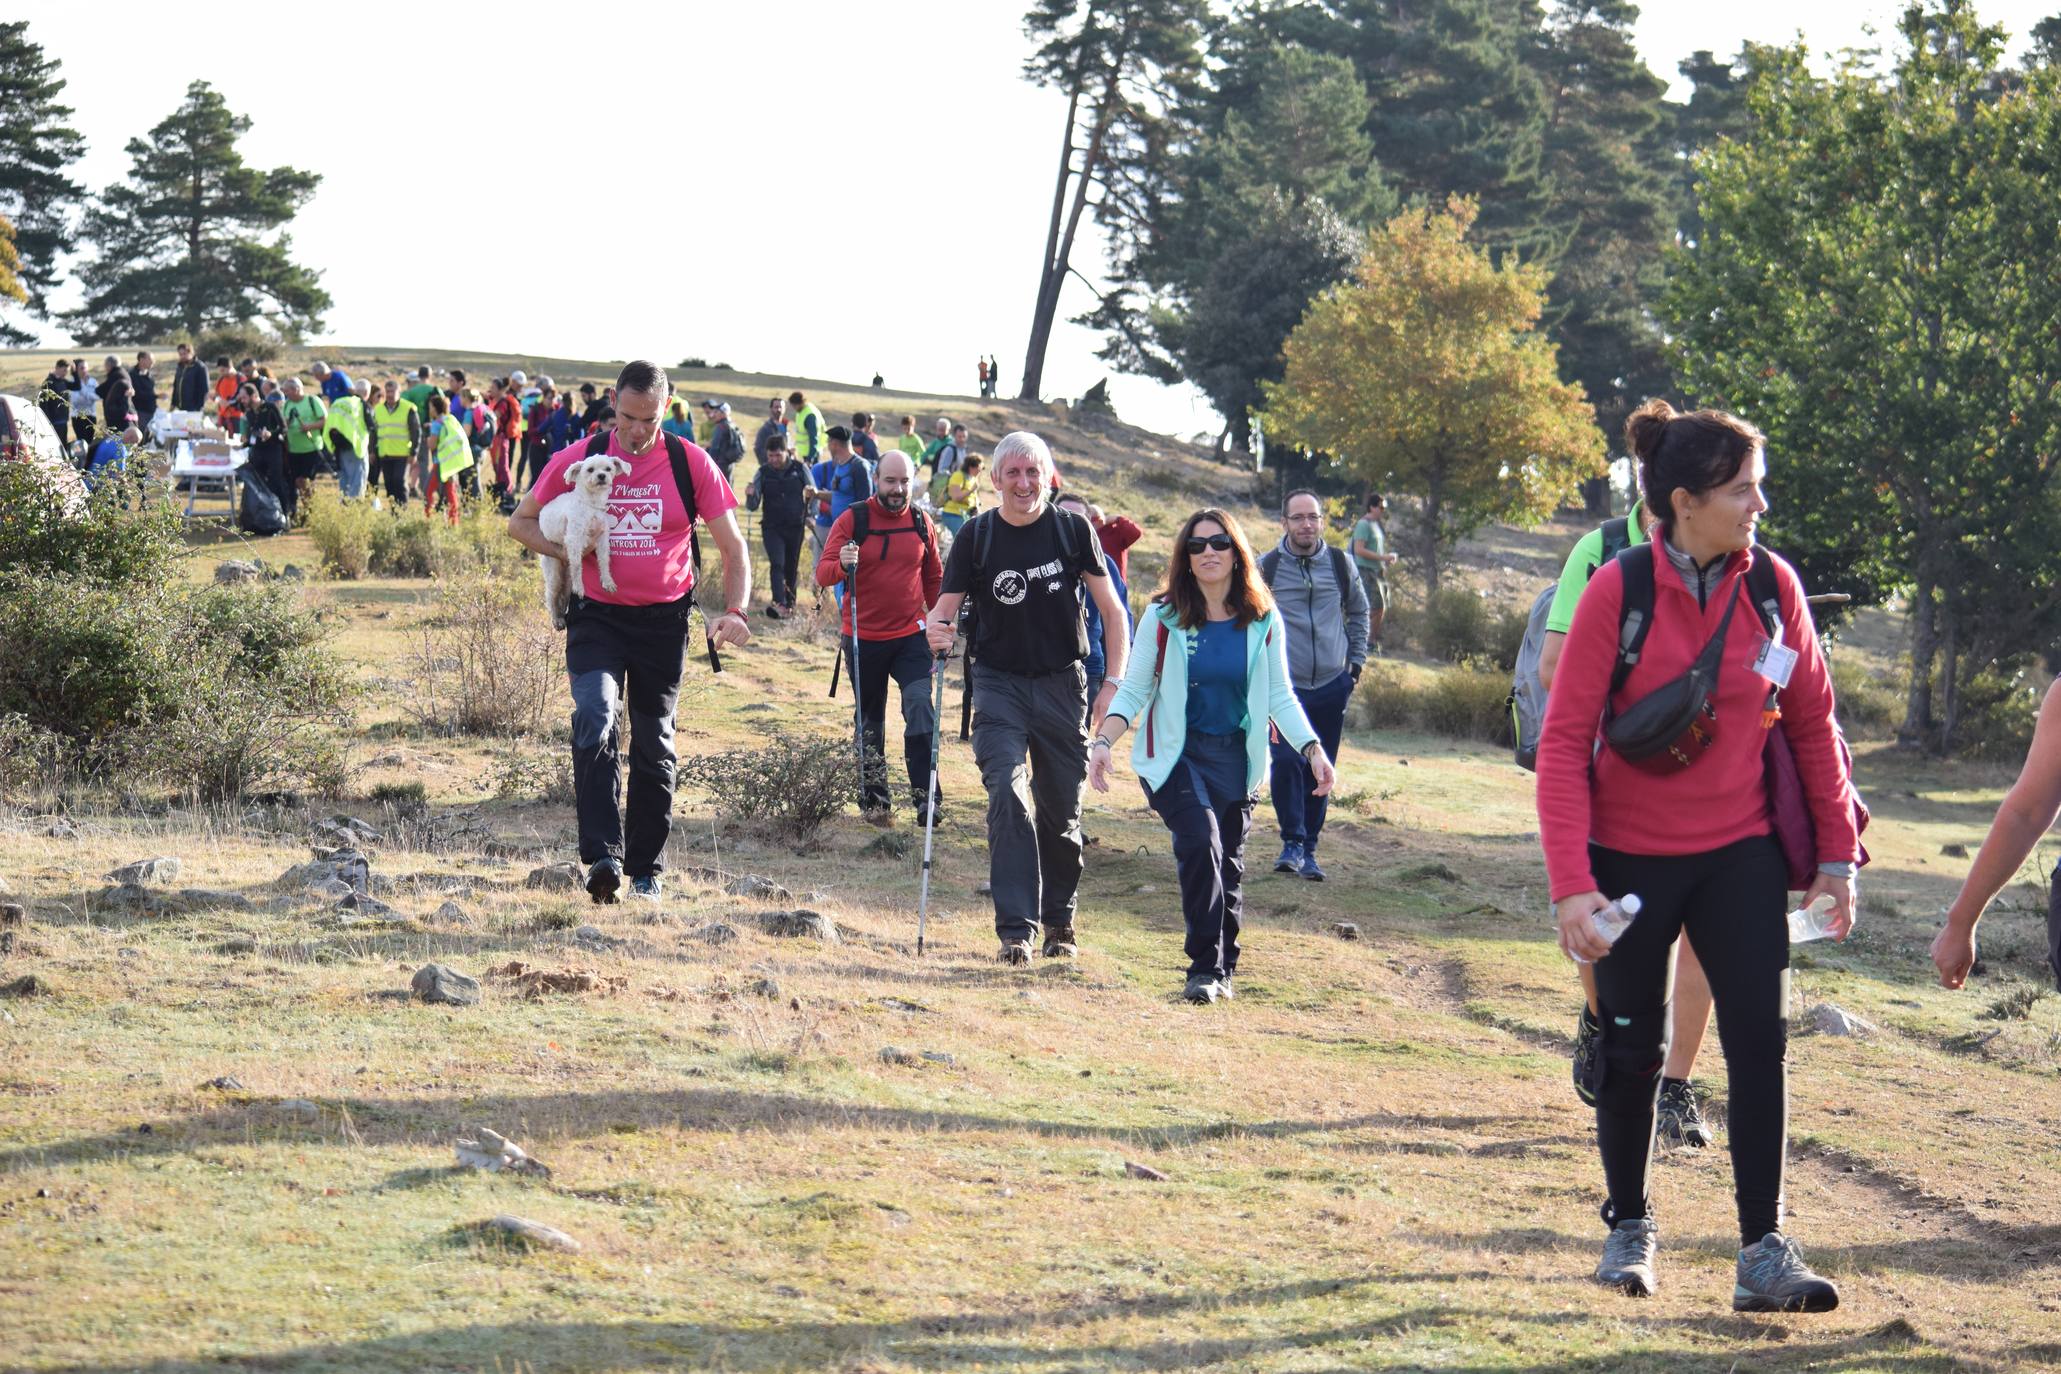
(1953, 954)
(1322, 772)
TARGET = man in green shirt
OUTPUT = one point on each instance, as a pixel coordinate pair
(910, 442)
(1581, 565)
(418, 396)
(306, 419)
(1371, 556)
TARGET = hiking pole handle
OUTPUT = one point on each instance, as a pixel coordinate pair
(715, 659)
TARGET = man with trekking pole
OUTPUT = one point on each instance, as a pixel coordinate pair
(625, 649)
(886, 553)
(1024, 564)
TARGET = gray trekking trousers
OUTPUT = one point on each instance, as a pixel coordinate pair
(1031, 742)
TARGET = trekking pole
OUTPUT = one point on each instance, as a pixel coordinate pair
(858, 692)
(930, 796)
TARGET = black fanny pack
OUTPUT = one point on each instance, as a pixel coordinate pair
(1672, 726)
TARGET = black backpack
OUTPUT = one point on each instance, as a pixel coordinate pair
(1341, 572)
(1635, 616)
(982, 529)
(919, 525)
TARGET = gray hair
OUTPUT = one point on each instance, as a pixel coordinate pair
(360, 387)
(1028, 445)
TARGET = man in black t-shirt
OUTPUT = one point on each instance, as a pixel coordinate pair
(1023, 563)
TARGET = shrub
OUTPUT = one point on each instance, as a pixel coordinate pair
(534, 776)
(1456, 626)
(1468, 702)
(403, 545)
(114, 539)
(1870, 704)
(1998, 709)
(406, 543)
(342, 529)
(786, 790)
(238, 341)
(1506, 635)
(411, 795)
(487, 661)
(1386, 702)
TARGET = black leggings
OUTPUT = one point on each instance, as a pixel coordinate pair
(1731, 902)
(783, 560)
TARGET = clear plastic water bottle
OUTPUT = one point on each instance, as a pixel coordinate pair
(1613, 920)
(1813, 922)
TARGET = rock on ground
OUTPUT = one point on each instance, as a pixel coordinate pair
(800, 923)
(238, 570)
(436, 983)
(756, 888)
(559, 877)
(488, 1149)
(161, 869)
(1826, 1019)
(534, 1234)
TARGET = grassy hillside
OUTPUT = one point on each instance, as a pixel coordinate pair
(781, 1154)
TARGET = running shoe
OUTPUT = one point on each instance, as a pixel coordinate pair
(1628, 1255)
(1681, 1115)
(1774, 1278)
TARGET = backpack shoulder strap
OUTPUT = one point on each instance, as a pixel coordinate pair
(1268, 562)
(1766, 592)
(676, 449)
(1342, 575)
(1635, 615)
(983, 538)
(862, 520)
(1617, 536)
(1067, 547)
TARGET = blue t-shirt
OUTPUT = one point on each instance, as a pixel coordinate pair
(336, 385)
(1094, 663)
(108, 455)
(1216, 679)
(848, 484)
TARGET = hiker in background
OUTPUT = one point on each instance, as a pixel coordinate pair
(946, 461)
(1093, 664)
(1370, 552)
(1023, 563)
(145, 390)
(1116, 534)
(1322, 606)
(264, 434)
(502, 451)
(1208, 675)
(307, 421)
(890, 548)
(396, 434)
(774, 423)
(941, 435)
(117, 396)
(962, 494)
(1679, 815)
(725, 444)
(781, 493)
(54, 400)
(2027, 813)
(449, 455)
(805, 429)
(863, 441)
(910, 442)
(994, 376)
(594, 412)
(348, 434)
(189, 382)
(85, 400)
(839, 480)
(676, 422)
(548, 429)
(110, 457)
(417, 394)
(625, 649)
(228, 389)
(983, 373)
(334, 382)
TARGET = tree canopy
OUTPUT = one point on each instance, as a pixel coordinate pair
(37, 193)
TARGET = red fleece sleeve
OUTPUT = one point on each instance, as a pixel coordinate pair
(1567, 738)
(828, 571)
(1808, 716)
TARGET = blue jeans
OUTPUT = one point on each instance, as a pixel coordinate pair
(952, 521)
(1297, 809)
(1205, 804)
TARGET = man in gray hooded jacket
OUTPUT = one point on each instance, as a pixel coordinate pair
(1323, 610)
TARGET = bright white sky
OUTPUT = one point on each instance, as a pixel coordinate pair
(801, 187)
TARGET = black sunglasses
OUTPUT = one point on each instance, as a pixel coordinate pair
(1220, 542)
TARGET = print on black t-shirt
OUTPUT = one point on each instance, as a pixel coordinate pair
(1027, 608)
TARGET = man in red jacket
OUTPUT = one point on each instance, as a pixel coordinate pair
(892, 549)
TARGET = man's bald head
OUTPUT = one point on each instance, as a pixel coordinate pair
(893, 479)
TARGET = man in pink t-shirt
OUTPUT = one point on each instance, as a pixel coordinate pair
(628, 646)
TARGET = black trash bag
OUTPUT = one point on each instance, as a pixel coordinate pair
(260, 512)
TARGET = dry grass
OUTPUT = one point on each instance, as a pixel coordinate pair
(1374, 1158)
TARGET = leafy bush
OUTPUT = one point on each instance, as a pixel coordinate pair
(1870, 705)
(1456, 626)
(532, 776)
(406, 543)
(1386, 701)
(488, 662)
(1506, 635)
(786, 790)
(1468, 702)
(342, 529)
(1998, 709)
(236, 342)
(115, 539)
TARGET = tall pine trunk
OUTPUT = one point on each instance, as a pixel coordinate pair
(1917, 726)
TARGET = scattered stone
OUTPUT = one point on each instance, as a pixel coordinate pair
(298, 1107)
(139, 901)
(349, 829)
(903, 1004)
(1346, 930)
(13, 915)
(533, 1234)
(1144, 1171)
(451, 913)
(889, 1054)
(292, 573)
(752, 886)
(1826, 1019)
(161, 869)
(345, 867)
(800, 923)
(60, 829)
(983, 888)
(1424, 872)
(764, 987)
(1148, 887)
(714, 933)
(889, 844)
(596, 938)
(238, 570)
(558, 877)
(434, 983)
(6, 889)
(364, 905)
(28, 985)
(224, 1084)
(1954, 851)
(815, 895)
(939, 1057)
(497, 1154)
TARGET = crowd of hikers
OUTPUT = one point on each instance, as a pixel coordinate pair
(1674, 702)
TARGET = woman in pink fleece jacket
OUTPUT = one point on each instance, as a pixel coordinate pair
(1693, 841)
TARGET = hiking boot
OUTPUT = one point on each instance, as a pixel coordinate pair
(1680, 1119)
(1224, 989)
(1290, 860)
(1016, 953)
(1627, 1263)
(1202, 989)
(602, 881)
(1060, 944)
(1774, 1278)
(773, 612)
(1309, 867)
(648, 887)
(1588, 1043)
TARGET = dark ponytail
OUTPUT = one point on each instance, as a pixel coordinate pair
(1694, 451)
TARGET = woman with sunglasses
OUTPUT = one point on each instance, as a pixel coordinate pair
(1681, 819)
(1208, 673)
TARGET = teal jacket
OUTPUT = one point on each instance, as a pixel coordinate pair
(1157, 705)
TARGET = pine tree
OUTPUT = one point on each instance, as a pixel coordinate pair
(1715, 110)
(182, 245)
(36, 147)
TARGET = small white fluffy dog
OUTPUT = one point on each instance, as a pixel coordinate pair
(578, 521)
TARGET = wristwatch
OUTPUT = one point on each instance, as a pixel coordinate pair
(737, 611)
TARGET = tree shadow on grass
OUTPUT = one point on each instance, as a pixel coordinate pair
(1028, 1339)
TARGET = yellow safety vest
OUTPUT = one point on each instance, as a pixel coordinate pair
(454, 454)
(392, 421)
(347, 417)
(798, 434)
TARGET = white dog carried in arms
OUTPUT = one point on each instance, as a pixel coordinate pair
(578, 523)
